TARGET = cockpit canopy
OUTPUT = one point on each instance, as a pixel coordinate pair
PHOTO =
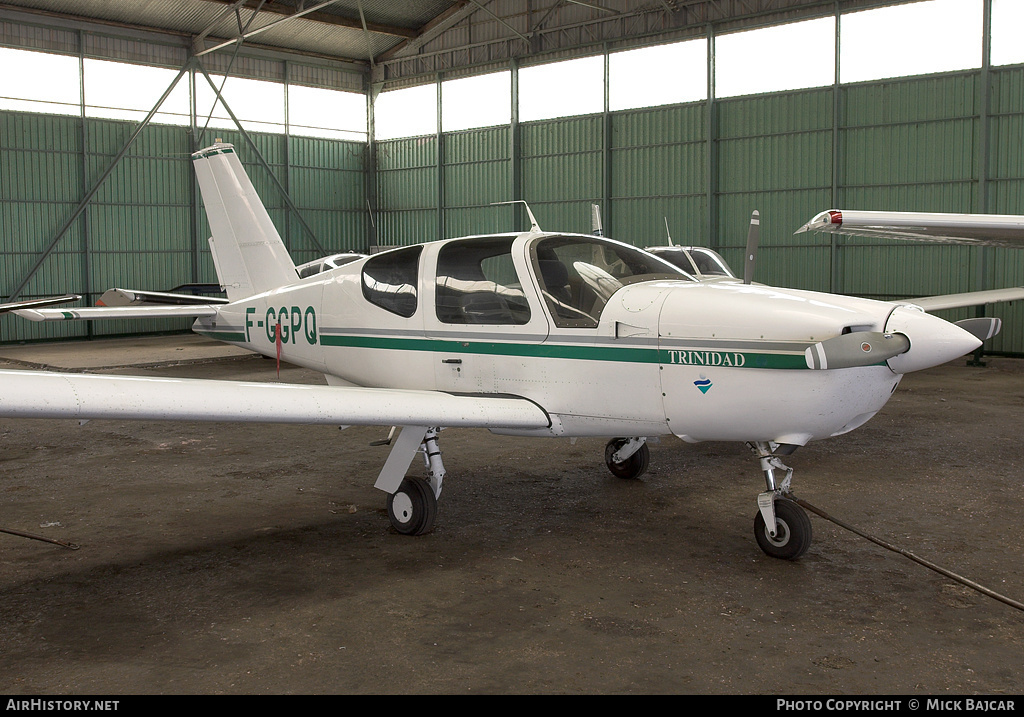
(578, 274)
(477, 281)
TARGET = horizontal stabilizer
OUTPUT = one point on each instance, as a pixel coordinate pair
(151, 311)
(861, 348)
(134, 297)
(37, 394)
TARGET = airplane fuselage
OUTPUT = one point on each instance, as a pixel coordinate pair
(665, 355)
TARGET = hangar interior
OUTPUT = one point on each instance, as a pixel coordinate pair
(371, 124)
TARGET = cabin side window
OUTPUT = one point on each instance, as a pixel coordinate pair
(477, 283)
(390, 279)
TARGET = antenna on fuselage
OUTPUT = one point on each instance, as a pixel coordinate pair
(668, 233)
(534, 226)
(595, 221)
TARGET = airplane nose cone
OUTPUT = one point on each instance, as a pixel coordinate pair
(933, 341)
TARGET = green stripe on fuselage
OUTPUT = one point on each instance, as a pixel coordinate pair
(719, 358)
(235, 337)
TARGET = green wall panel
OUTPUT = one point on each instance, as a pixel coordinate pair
(641, 221)
(562, 136)
(145, 227)
(674, 125)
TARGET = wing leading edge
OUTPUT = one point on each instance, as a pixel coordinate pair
(981, 229)
(140, 311)
(35, 394)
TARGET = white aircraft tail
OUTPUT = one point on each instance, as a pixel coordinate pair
(248, 253)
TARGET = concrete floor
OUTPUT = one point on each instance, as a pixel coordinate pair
(258, 559)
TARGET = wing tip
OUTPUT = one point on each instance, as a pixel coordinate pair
(828, 220)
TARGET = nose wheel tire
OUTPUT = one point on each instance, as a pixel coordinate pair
(412, 509)
(793, 535)
(631, 468)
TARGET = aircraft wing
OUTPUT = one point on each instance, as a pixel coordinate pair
(35, 303)
(137, 311)
(38, 394)
(980, 229)
(970, 298)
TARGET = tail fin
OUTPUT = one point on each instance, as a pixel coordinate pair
(248, 253)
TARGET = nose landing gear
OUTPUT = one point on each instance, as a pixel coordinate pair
(781, 527)
(627, 458)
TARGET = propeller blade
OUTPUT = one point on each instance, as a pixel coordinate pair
(753, 237)
(983, 327)
(861, 348)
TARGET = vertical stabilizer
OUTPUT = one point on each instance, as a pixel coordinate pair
(248, 252)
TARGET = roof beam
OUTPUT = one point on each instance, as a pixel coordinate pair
(445, 21)
(314, 14)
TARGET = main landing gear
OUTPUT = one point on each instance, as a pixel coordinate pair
(781, 527)
(412, 502)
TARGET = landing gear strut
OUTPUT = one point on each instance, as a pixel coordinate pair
(781, 527)
(412, 502)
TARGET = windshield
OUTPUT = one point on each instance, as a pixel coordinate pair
(578, 274)
(705, 261)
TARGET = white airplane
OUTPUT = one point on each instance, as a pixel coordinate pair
(700, 262)
(530, 334)
(980, 229)
(318, 266)
(705, 264)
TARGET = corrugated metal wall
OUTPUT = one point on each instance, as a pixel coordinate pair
(775, 156)
(658, 174)
(476, 174)
(562, 170)
(407, 191)
(145, 227)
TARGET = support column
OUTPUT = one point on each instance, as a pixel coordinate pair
(711, 149)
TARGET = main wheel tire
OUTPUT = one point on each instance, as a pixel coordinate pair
(412, 509)
(793, 536)
(631, 468)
